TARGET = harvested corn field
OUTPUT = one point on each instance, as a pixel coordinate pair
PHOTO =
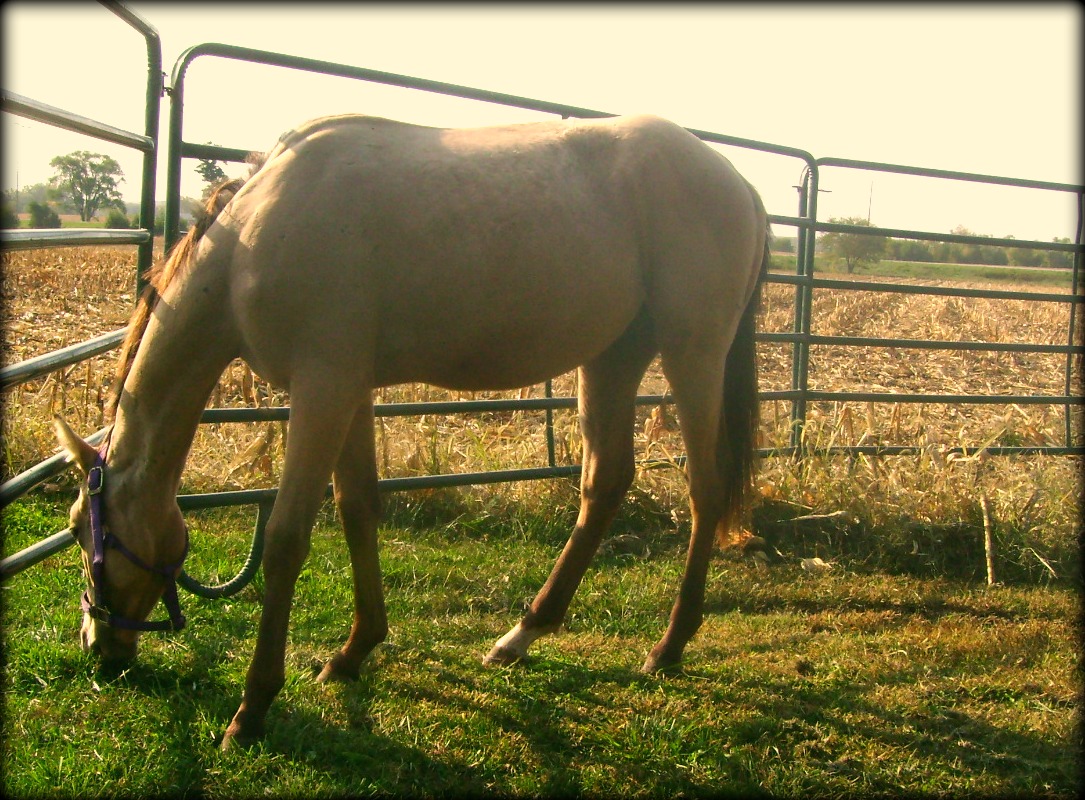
(54, 298)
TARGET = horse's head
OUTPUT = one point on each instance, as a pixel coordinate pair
(132, 553)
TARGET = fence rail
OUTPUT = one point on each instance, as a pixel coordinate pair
(39, 238)
(59, 118)
(804, 281)
(35, 367)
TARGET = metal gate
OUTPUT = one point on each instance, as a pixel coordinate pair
(800, 339)
(142, 237)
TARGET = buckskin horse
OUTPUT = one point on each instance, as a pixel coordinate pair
(363, 252)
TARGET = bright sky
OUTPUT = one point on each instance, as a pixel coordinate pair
(991, 89)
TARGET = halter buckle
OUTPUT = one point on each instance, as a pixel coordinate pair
(94, 611)
(95, 480)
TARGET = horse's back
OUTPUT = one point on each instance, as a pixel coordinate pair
(477, 257)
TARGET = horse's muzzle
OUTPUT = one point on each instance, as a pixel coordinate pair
(103, 643)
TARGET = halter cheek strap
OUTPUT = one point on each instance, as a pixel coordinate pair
(93, 605)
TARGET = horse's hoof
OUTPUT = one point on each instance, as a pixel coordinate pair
(503, 657)
(235, 739)
(657, 664)
(336, 671)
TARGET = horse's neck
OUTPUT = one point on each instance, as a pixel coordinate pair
(183, 352)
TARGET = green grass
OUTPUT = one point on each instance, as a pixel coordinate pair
(855, 682)
(968, 272)
(918, 270)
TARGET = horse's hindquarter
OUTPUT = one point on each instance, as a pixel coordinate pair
(484, 258)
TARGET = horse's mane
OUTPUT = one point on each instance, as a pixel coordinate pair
(160, 275)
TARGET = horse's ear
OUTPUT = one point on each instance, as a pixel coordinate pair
(83, 454)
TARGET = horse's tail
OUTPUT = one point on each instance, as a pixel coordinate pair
(736, 446)
(160, 275)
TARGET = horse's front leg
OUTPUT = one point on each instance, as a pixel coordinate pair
(358, 500)
(319, 422)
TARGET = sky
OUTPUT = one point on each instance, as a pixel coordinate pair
(985, 88)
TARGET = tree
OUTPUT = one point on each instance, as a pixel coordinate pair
(992, 254)
(965, 253)
(88, 181)
(118, 219)
(8, 217)
(22, 197)
(212, 174)
(783, 244)
(854, 248)
(1057, 258)
(41, 216)
(908, 250)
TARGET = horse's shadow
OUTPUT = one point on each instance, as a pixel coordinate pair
(357, 750)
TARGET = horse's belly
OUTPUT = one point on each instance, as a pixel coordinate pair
(482, 368)
(501, 352)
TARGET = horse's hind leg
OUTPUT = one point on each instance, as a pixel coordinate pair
(696, 377)
(608, 390)
(356, 495)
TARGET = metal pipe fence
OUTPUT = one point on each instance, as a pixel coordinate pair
(24, 239)
(804, 281)
(1073, 299)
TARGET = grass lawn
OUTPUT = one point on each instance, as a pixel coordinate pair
(1026, 278)
(856, 681)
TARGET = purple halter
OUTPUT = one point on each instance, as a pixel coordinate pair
(101, 540)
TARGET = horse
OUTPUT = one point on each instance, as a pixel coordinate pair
(363, 252)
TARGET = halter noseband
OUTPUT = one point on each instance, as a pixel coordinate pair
(93, 604)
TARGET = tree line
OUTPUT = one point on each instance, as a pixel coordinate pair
(955, 253)
(86, 183)
(854, 249)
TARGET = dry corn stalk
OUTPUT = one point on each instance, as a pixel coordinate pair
(988, 539)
